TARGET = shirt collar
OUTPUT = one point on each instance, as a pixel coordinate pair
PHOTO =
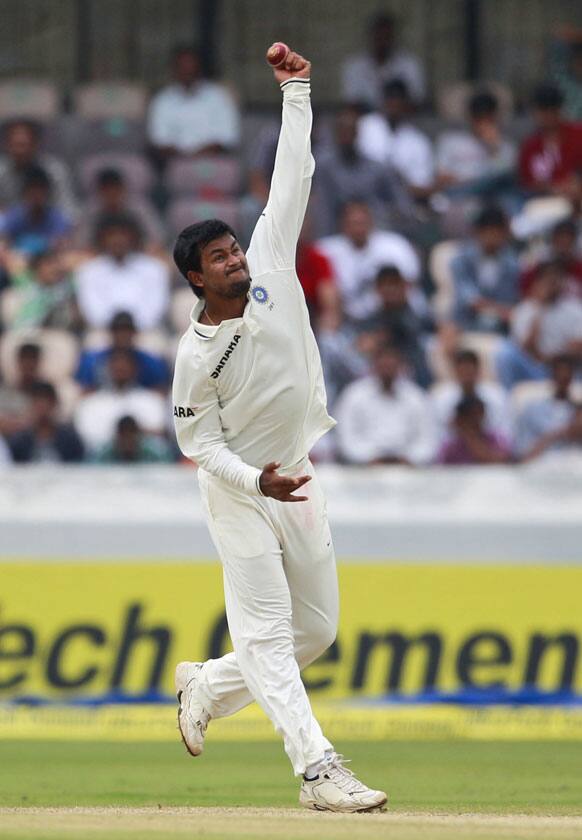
(207, 331)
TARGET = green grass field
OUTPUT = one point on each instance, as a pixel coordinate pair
(428, 784)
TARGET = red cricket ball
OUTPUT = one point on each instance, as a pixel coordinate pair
(277, 53)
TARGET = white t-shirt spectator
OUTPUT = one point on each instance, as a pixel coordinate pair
(97, 414)
(445, 396)
(190, 119)
(405, 148)
(355, 269)
(363, 79)
(560, 323)
(462, 155)
(139, 285)
(374, 423)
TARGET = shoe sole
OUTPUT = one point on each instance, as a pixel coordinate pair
(380, 807)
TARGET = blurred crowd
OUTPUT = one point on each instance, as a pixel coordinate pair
(441, 260)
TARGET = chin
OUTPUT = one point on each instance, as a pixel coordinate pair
(239, 288)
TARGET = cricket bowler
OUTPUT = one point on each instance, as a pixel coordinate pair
(249, 404)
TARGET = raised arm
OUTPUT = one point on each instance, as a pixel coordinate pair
(274, 240)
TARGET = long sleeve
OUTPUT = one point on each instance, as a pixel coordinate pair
(274, 240)
(200, 434)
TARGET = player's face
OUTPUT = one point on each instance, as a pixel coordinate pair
(225, 270)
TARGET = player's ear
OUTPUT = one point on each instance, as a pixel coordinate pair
(195, 279)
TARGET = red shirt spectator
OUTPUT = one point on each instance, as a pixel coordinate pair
(553, 155)
(548, 161)
(315, 274)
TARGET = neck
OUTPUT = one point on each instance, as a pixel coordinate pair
(216, 311)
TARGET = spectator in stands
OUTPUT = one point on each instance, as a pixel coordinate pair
(35, 224)
(470, 441)
(486, 276)
(315, 273)
(193, 115)
(122, 278)
(5, 453)
(545, 419)
(365, 74)
(566, 68)
(15, 398)
(548, 323)
(98, 413)
(467, 382)
(564, 248)
(94, 372)
(131, 446)
(388, 137)
(385, 418)
(112, 198)
(397, 319)
(21, 151)
(551, 159)
(358, 253)
(568, 437)
(344, 174)
(46, 440)
(478, 160)
(44, 294)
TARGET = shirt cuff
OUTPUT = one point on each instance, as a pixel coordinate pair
(294, 85)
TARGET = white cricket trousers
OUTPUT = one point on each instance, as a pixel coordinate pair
(281, 595)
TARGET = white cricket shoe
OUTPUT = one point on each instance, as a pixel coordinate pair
(336, 788)
(193, 716)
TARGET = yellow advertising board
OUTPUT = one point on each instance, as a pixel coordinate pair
(97, 629)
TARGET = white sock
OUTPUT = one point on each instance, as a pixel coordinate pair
(314, 770)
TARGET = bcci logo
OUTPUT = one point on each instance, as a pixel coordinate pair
(260, 294)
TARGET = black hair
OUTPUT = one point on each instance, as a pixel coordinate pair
(29, 349)
(185, 49)
(547, 97)
(109, 177)
(396, 88)
(483, 104)
(382, 19)
(467, 404)
(36, 259)
(35, 176)
(566, 226)
(388, 271)
(466, 355)
(43, 390)
(491, 216)
(127, 423)
(124, 320)
(191, 241)
(118, 220)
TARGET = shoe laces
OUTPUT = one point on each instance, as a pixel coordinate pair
(344, 778)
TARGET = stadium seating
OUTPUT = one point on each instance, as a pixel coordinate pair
(135, 169)
(30, 98)
(59, 352)
(104, 101)
(452, 100)
(185, 211)
(205, 177)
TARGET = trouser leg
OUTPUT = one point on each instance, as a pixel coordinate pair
(262, 613)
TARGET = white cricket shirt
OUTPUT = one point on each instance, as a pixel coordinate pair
(251, 390)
